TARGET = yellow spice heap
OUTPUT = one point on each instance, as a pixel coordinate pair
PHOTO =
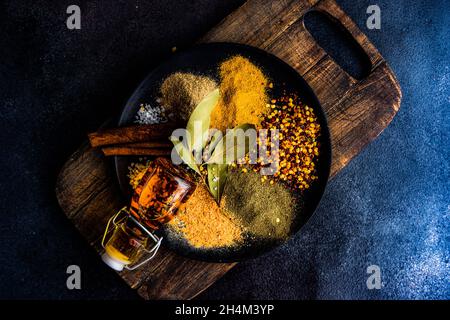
(243, 94)
(206, 225)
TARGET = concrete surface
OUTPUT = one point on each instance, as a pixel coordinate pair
(390, 207)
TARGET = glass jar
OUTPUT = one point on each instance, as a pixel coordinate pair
(157, 198)
(161, 191)
(127, 243)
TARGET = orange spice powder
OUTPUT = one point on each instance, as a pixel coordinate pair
(204, 224)
(243, 96)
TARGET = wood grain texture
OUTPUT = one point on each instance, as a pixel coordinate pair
(357, 111)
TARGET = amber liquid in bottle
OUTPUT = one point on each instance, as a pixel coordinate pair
(161, 191)
(127, 243)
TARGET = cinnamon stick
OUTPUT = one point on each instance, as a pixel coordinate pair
(131, 134)
(125, 151)
(150, 144)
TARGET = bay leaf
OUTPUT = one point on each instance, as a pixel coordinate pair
(199, 121)
(216, 137)
(217, 176)
(239, 147)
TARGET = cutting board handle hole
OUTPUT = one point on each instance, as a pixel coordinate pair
(338, 43)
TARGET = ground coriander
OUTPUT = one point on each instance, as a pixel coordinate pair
(181, 92)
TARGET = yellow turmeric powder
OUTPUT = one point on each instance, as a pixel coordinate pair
(243, 94)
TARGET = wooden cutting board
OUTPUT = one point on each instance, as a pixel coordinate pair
(357, 111)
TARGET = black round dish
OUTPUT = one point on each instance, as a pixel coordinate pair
(204, 59)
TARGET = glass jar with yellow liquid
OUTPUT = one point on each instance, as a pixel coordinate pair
(157, 198)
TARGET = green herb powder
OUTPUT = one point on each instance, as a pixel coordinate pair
(266, 211)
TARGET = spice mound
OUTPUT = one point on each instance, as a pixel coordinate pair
(243, 94)
(204, 224)
(298, 138)
(299, 141)
(266, 210)
(181, 92)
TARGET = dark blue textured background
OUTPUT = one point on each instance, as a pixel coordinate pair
(390, 206)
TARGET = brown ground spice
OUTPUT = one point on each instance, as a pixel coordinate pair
(204, 224)
(181, 92)
(243, 94)
(266, 210)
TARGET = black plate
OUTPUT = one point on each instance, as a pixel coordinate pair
(204, 59)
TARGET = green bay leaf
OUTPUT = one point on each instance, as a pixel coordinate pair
(199, 121)
(217, 176)
(238, 148)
